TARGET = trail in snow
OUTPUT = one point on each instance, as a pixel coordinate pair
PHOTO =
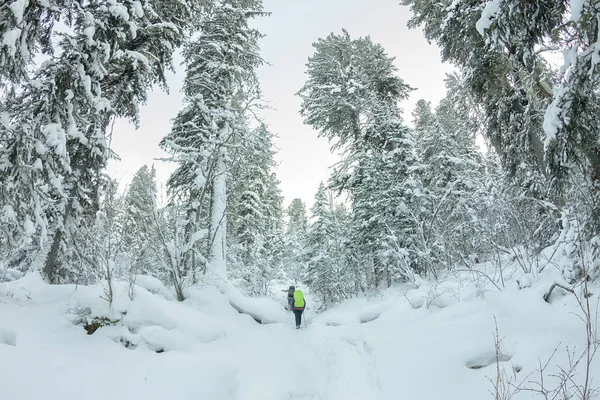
(268, 362)
(220, 354)
(252, 361)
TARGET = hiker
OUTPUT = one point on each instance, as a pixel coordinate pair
(290, 297)
(299, 306)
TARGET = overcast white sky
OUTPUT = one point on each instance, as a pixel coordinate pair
(304, 159)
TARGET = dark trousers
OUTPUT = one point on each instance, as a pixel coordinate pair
(298, 315)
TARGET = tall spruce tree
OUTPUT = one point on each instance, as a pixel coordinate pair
(540, 122)
(139, 226)
(255, 230)
(451, 172)
(295, 239)
(221, 63)
(351, 97)
(383, 203)
(513, 124)
(98, 246)
(320, 272)
(54, 126)
(524, 31)
(327, 268)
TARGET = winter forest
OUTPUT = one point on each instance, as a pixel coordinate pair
(483, 206)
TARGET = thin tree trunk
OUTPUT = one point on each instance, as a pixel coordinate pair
(50, 265)
(52, 257)
(218, 217)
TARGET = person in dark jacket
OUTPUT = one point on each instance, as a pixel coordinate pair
(290, 298)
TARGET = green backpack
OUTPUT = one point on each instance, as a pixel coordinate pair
(299, 299)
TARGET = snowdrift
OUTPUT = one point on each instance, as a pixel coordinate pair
(147, 315)
(212, 345)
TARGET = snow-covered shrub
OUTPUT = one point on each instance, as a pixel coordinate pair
(9, 274)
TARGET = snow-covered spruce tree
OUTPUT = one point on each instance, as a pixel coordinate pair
(249, 175)
(353, 277)
(572, 142)
(511, 99)
(321, 272)
(297, 218)
(171, 247)
(348, 81)
(274, 226)
(54, 140)
(26, 29)
(295, 240)
(139, 227)
(451, 172)
(351, 97)
(98, 246)
(53, 134)
(325, 263)
(470, 207)
(384, 197)
(532, 113)
(524, 31)
(221, 61)
(255, 209)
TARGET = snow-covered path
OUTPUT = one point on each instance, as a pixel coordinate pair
(404, 353)
(57, 360)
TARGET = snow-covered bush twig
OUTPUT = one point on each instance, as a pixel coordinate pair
(504, 388)
(567, 386)
(172, 256)
(481, 274)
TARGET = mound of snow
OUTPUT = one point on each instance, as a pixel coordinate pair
(264, 311)
(209, 300)
(32, 288)
(359, 310)
(150, 283)
(378, 348)
(148, 319)
(8, 336)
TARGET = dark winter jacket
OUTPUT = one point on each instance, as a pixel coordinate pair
(290, 298)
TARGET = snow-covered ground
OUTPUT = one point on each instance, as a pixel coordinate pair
(409, 343)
